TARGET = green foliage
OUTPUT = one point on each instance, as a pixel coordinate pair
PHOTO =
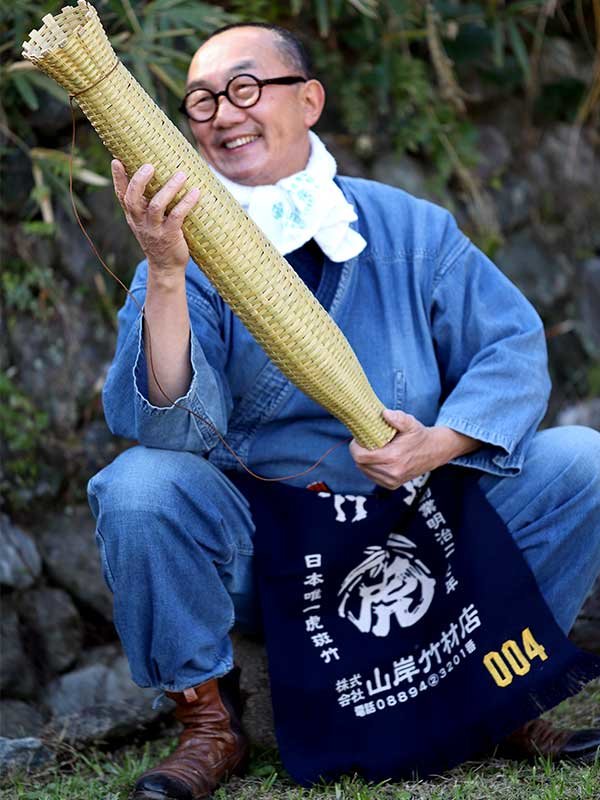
(382, 87)
(560, 100)
(272, 11)
(375, 56)
(593, 378)
(20, 83)
(27, 287)
(39, 228)
(154, 39)
(22, 427)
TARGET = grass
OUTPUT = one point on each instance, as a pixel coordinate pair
(96, 775)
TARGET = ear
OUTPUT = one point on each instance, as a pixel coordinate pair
(313, 100)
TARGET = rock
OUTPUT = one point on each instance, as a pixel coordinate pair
(482, 91)
(564, 171)
(34, 250)
(17, 674)
(121, 688)
(20, 562)
(585, 413)
(542, 276)
(586, 634)
(23, 755)
(96, 448)
(494, 152)
(63, 352)
(506, 117)
(405, 172)
(586, 631)
(257, 718)
(341, 149)
(56, 626)
(68, 547)
(559, 60)
(97, 684)
(78, 689)
(18, 719)
(99, 702)
(110, 233)
(100, 723)
(47, 482)
(513, 202)
(17, 182)
(52, 116)
(589, 302)
(103, 654)
(567, 361)
(569, 157)
(591, 607)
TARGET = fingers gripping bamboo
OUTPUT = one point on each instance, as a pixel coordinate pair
(247, 271)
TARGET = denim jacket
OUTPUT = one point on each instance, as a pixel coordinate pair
(440, 332)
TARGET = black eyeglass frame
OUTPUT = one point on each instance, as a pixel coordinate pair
(286, 80)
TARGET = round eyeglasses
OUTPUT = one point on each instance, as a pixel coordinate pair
(243, 91)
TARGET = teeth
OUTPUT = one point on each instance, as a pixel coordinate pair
(239, 142)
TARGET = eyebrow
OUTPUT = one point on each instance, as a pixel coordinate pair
(248, 63)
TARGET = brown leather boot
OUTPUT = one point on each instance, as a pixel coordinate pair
(211, 747)
(541, 738)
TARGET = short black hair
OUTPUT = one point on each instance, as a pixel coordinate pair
(289, 44)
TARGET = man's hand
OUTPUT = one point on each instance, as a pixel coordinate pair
(415, 449)
(160, 236)
(165, 307)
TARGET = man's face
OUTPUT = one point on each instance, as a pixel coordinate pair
(269, 141)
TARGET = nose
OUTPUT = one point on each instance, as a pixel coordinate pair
(227, 114)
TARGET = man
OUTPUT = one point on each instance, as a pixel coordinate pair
(439, 331)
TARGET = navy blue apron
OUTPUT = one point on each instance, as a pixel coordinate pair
(405, 632)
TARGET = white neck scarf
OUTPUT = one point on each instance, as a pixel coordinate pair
(306, 205)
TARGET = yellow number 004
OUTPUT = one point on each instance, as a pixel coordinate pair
(512, 660)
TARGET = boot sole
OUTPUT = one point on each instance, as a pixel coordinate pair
(239, 770)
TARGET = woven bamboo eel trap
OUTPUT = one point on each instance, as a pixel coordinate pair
(250, 275)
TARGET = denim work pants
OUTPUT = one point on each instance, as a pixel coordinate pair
(175, 539)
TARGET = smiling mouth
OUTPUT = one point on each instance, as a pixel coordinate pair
(233, 144)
